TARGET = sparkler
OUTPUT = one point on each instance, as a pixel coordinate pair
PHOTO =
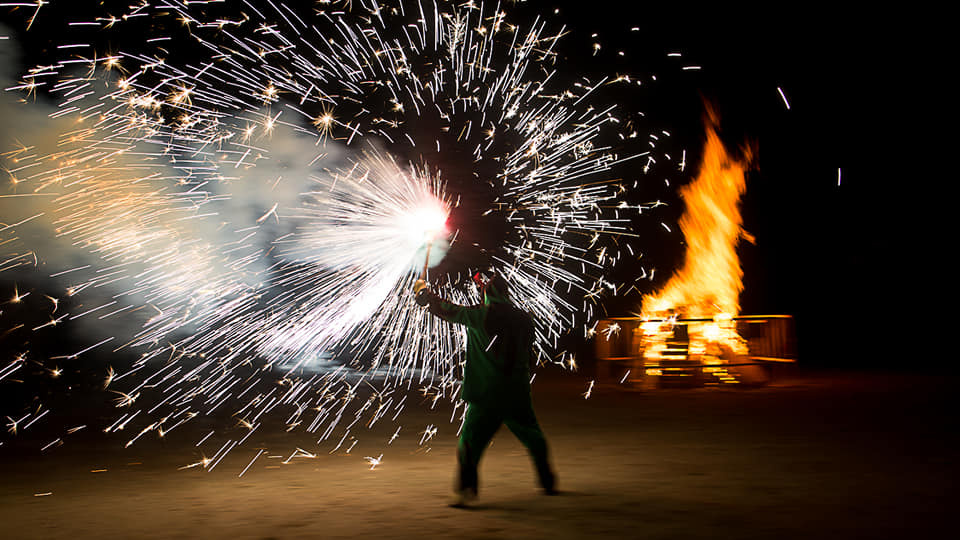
(155, 155)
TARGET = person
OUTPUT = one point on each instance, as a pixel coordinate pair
(496, 379)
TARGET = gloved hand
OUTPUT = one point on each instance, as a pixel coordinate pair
(420, 289)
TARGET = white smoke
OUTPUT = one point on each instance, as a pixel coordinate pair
(162, 239)
(138, 231)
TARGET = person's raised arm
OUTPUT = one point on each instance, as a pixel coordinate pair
(471, 316)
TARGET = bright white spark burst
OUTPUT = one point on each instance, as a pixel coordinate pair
(146, 174)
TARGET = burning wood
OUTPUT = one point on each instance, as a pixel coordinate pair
(708, 284)
(690, 327)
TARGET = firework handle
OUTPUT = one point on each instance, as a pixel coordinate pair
(426, 262)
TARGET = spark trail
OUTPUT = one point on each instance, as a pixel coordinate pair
(285, 114)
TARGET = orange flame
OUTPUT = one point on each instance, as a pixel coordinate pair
(710, 281)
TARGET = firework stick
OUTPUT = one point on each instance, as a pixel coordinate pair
(426, 261)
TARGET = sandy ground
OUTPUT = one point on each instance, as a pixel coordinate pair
(823, 456)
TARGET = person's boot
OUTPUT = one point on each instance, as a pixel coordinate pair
(464, 497)
(466, 489)
(548, 481)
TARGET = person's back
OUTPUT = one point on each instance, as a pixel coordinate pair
(496, 379)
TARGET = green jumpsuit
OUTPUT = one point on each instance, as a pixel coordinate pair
(496, 383)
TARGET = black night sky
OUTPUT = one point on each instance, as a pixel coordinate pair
(825, 253)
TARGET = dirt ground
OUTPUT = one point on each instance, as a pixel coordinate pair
(848, 455)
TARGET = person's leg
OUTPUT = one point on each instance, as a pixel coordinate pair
(522, 421)
(479, 427)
